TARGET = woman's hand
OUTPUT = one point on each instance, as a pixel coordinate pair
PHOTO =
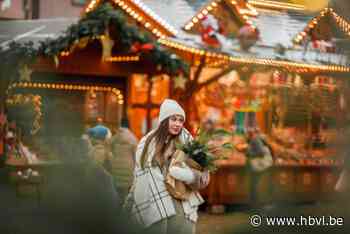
(204, 179)
(201, 180)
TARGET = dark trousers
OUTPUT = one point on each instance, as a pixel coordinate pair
(253, 187)
(255, 178)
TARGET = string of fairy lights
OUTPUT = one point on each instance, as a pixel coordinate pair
(70, 87)
(301, 67)
(123, 59)
(120, 58)
(243, 13)
(341, 22)
(249, 10)
(133, 8)
(35, 100)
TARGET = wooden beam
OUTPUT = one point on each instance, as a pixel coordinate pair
(215, 77)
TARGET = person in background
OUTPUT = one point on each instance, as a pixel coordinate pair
(123, 144)
(257, 148)
(208, 125)
(85, 191)
(99, 147)
(342, 184)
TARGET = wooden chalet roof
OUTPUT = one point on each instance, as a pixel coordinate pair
(275, 26)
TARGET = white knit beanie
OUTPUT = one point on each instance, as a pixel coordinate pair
(168, 108)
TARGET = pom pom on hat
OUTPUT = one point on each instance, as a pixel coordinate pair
(168, 108)
(99, 132)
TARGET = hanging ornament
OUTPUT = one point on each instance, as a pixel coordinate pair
(253, 81)
(180, 82)
(83, 42)
(298, 82)
(321, 81)
(316, 83)
(277, 78)
(56, 60)
(342, 103)
(248, 36)
(107, 45)
(331, 86)
(289, 80)
(25, 73)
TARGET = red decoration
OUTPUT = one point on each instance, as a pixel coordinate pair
(237, 103)
(209, 29)
(209, 37)
(137, 47)
(323, 46)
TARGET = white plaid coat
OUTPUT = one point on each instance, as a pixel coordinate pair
(151, 200)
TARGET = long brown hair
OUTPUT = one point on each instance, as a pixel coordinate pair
(162, 138)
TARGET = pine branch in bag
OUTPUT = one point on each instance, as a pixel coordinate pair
(202, 152)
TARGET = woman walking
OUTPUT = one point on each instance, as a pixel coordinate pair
(154, 207)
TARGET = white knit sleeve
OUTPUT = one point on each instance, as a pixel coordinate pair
(183, 173)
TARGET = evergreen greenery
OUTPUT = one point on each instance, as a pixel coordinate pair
(92, 25)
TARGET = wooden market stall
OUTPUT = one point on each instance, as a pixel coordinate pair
(237, 65)
(295, 94)
(102, 68)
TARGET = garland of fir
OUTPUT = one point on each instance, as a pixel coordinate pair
(92, 25)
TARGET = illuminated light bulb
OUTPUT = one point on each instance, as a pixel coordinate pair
(147, 25)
